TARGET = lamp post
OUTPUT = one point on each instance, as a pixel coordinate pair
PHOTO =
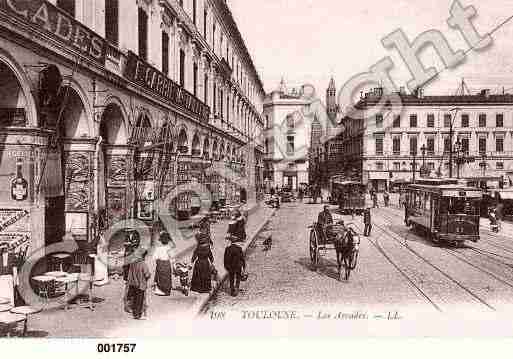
(414, 166)
(458, 157)
(483, 158)
(423, 170)
(451, 136)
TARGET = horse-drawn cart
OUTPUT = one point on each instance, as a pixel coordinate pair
(340, 237)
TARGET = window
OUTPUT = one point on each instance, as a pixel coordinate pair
(214, 98)
(396, 145)
(413, 146)
(397, 121)
(431, 120)
(447, 120)
(447, 145)
(214, 36)
(499, 120)
(431, 166)
(112, 21)
(165, 52)
(194, 9)
(205, 18)
(182, 68)
(290, 145)
(290, 122)
(413, 120)
(379, 146)
(228, 107)
(397, 166)
(221, 104)
(205, 89)
(465, 145)
(195, 79)
(379, 166)
(499, 165)
(67, 5)
(143, 33)
(379, 121)
(499, 144)
(482, 145)
(482, 120)
(430, 144)
(464, 120)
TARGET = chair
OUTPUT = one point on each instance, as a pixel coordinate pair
(44, 284)
(59, 259)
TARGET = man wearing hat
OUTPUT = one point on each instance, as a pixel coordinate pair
(137, 281)
(237, 227)
(235, 264)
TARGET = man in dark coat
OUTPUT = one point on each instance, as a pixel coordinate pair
(323, 220)
(234, 263)
(367, 222)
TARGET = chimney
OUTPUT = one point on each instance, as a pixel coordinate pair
(485, 93)
(419, 92)
(402, 90)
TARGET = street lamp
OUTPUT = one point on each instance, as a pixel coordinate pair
(451, 135)
(423, 170)
(483, 164)
(414, 166)
(458, 148)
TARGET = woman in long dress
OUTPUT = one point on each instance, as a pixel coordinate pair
(203, 261)
(163, 273)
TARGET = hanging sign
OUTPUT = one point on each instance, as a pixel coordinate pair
(43, 15)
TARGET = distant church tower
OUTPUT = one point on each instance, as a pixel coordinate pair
(331, 100)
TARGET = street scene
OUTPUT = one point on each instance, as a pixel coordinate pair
(172, 168)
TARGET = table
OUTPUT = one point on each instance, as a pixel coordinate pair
(57, 274)
(45, 282)
(60, 258)
(66, 281)
(5, 307)
(26, 311)
(9, 320)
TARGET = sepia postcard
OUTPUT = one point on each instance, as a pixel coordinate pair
(255, 169)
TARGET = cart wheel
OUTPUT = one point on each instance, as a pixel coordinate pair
(314, 248)
(354, 260)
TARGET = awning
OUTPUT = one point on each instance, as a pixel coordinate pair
(379, 176)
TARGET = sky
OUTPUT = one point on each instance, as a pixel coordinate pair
(306, 41)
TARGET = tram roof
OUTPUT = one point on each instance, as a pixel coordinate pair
(446, 187)
(346, 183)
(451, 190)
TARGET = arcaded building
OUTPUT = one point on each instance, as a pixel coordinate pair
(107, 105)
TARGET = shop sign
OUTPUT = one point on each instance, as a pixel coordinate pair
(9, 217)
(144, 74)
(43, 15)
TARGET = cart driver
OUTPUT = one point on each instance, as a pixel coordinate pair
(323, 220)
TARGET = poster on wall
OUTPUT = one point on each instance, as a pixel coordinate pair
(145, 210)
(77, 225)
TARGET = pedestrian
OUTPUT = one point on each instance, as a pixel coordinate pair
(163, 256)
(203, 262)
(237, 227)
(386, 198)
(301, 194)
(367, 222)
(374, 200)
(138, 276)
(235, 265)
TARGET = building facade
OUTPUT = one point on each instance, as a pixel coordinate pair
(417, 135)
(106, 106)
(287, 140)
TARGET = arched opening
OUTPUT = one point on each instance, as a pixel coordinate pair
(206, 149)
(67, 212)
(13, 102)
(215, 148)
(228, 153)
(112, 167)
(183, 142)
(196, 145)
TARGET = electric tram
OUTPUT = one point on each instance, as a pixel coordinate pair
(447, 212)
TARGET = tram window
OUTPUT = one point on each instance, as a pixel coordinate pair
(463, 206)
(427, 202)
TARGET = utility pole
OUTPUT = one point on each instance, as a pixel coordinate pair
(451, 137)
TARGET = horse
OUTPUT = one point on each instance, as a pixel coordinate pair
(344, 243)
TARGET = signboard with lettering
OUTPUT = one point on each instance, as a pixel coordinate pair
(43, 15)
(144, 74)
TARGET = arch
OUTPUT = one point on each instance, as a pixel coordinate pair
(228, 152)
(113, 125)
(221, 151)
(74, 122)
(234, 154)
(196, 145)
(206, 148)
(215, 149)
(183, 140)
(24, 83)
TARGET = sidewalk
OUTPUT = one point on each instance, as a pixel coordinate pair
(109, 319)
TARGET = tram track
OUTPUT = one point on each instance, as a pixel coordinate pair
(415, 283)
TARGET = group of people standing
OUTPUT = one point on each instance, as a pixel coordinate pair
(137, 274)
(374, 198)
